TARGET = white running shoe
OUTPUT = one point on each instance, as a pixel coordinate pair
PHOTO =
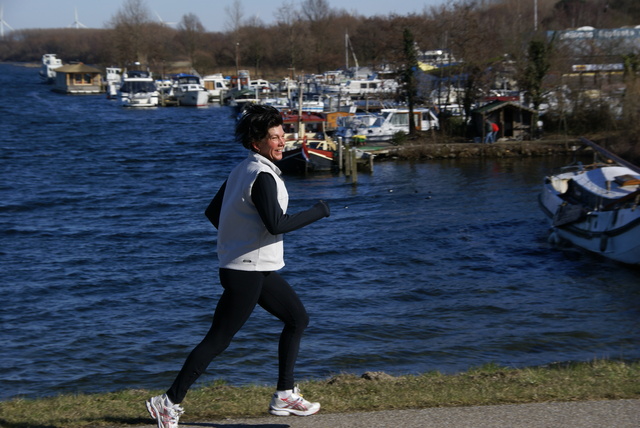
(164, 411)
(292, 405)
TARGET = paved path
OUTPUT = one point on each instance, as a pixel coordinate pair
(583, 414)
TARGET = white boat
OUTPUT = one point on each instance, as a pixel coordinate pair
(113, 81)
(217, 86)
(260, 85)
(385, 125)
(364, 87)
(138, 89)
(189, 90)
(48, 68)
(595, 207)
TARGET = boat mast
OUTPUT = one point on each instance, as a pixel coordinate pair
(301, 130)
(347, 46)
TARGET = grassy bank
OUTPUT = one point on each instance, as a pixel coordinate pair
(597, 380)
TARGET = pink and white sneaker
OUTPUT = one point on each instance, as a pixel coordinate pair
(164, 411)
(294, 404)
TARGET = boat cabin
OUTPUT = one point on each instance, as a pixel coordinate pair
(78, 79)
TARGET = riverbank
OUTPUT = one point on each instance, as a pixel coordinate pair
(344, 395)
(425, 148)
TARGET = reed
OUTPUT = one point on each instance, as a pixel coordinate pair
(486, 385)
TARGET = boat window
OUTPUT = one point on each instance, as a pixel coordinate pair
(400, 119)
(138, 87)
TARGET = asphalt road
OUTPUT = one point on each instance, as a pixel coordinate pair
(583, 414)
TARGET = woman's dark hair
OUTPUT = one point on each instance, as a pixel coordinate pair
(255, 122)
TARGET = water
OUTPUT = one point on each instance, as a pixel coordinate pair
(109, 271)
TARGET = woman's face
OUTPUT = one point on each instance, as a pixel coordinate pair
(272, 145)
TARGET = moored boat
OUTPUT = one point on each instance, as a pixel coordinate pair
(382, 127)
(595, 207)
(138, 89)
(307, 148)
(217, 86)
(113, 81)
(50, 62)
(189, 90)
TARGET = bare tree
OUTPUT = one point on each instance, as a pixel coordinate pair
(190, 34)
(235, 14)
(288, 19)
(131, 40)
(318, 14)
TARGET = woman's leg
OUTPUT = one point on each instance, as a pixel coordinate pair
(242, 290)
(279, 299)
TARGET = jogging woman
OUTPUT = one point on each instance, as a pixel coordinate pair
(249, 212)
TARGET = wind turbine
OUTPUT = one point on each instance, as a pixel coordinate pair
(3, 23)
(164, 23)
(77, 23)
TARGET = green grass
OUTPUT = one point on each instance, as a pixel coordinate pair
(597, 380)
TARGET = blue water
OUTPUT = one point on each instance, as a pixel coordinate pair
(109, 270)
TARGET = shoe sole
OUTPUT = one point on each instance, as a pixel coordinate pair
(287, 412)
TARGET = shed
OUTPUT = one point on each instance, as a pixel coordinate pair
(78, 79)
(515, 120)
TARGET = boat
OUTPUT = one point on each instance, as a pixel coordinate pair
(138, 89)
(307, 148)
(239, 97)
(113, 81)
(217, 86)
(189, 90)
(364, 87)
(383, 126)
(595, 207)
(50, 62)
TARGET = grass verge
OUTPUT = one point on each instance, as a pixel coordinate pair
(486, 385)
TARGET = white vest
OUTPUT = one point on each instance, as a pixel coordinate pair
(244, 243)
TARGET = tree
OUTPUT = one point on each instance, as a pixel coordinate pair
(235, 14)
(131, 40)
(318, 14)
(288, 19)
(190, 32)
(537, 66)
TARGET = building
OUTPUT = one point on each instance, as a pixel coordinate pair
(516, 121)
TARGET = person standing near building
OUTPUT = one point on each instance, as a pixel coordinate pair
(488, 129)
(249, 212)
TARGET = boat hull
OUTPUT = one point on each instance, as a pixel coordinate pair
(139, 100)
(297, 161)
(194, 98)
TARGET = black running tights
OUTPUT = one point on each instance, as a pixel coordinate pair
(242, 291)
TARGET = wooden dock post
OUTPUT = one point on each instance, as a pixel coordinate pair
(340, 154)
(354, 166)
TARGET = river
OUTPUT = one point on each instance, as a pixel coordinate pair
(109, 270)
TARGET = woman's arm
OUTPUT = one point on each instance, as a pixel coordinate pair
(264, 195)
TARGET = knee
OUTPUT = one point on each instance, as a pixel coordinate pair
(300, 322)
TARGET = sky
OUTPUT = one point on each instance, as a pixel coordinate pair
(28, 14)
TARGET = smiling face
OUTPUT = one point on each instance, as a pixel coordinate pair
(272, 145)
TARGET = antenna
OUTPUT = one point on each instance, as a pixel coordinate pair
(3, 23)
(77, 23)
